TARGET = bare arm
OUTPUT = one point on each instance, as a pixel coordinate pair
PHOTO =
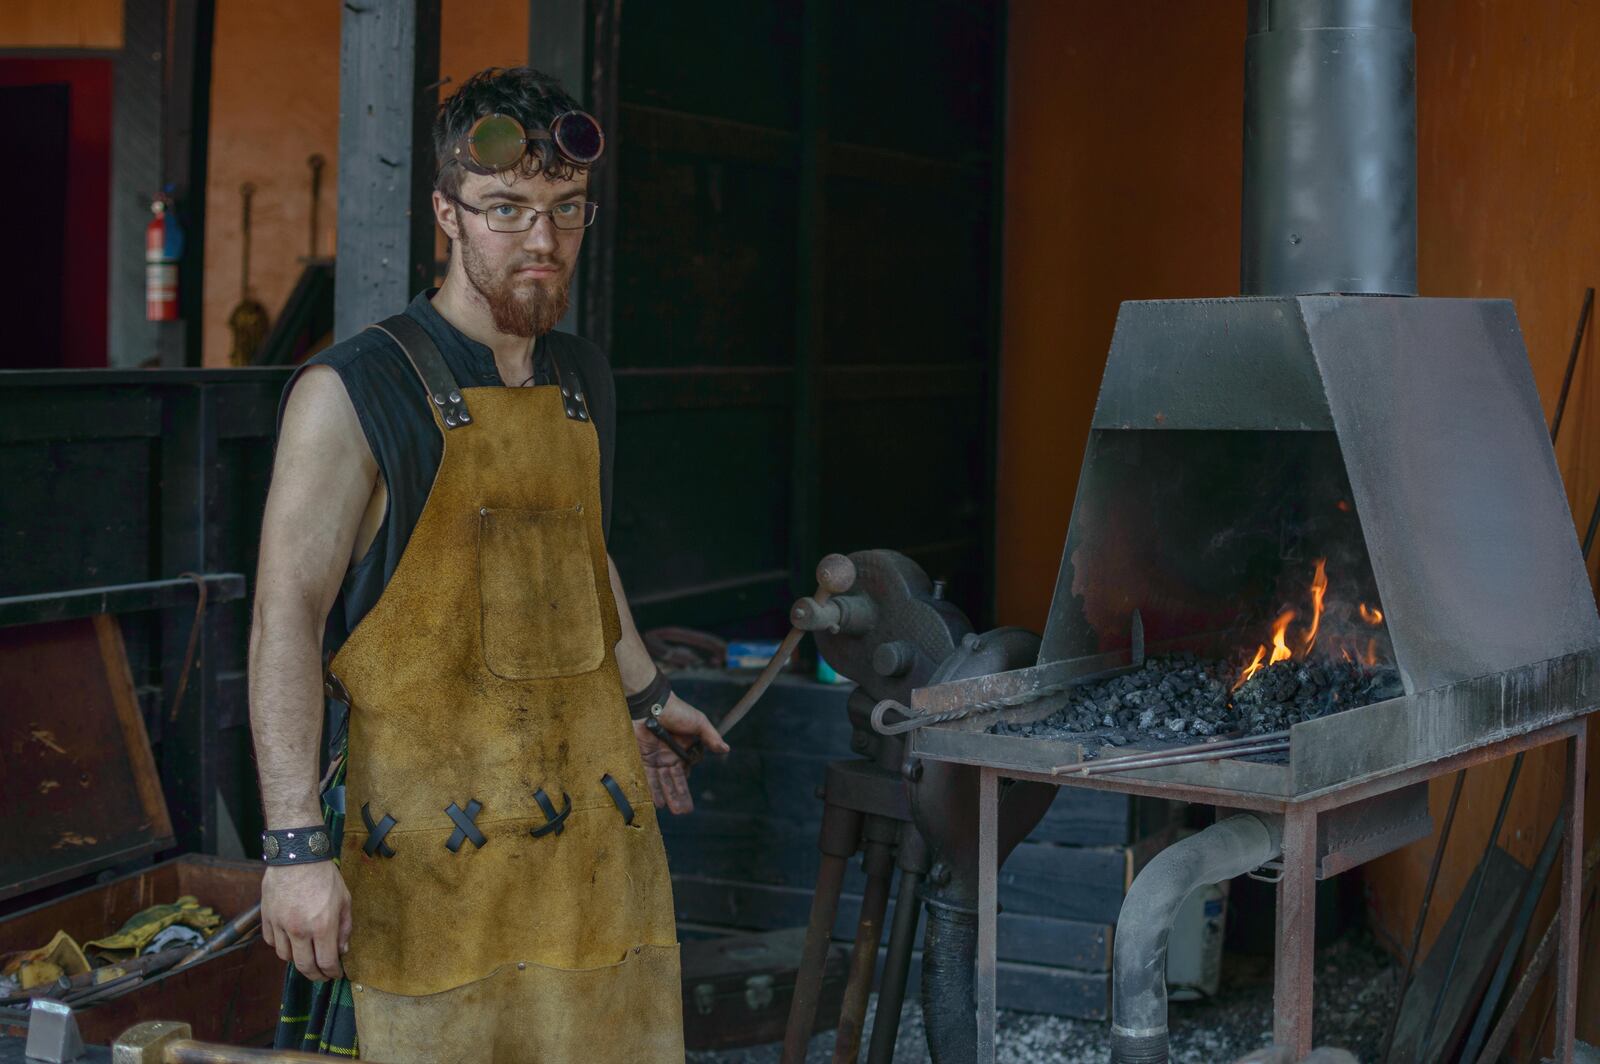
(668, 776)
(322, 479)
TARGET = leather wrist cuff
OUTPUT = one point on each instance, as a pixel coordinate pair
(296, 845)
(643, 703)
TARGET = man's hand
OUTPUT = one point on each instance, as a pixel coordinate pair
(305, 916)
(668, 775)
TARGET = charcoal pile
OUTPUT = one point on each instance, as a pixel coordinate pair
(1181, 698)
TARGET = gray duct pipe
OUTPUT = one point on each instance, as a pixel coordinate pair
(944, 803)
(1226, 849)
(1330, 148)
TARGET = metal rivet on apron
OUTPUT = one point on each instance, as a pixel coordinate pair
(566, 393)
(438, 400)
(580, 507)
(357, 988)
(455, 397)
(579, 397)
(483, 511)
(521, 965)
(583, 415)
(465, 417)
(450, 419)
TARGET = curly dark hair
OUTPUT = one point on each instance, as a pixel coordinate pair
(532, 98)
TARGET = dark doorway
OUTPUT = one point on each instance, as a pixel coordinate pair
(32, 274)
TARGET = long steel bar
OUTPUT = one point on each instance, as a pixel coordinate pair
(1093, 768)
(1478, 878)
(1571, 898)
(1209, 744)
(1572, 363)
(988, 906)
(1513, 946)
(1422, 912)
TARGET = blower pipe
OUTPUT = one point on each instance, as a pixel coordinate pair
(1226, 849)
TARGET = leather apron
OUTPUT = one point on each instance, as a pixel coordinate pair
(509, 886)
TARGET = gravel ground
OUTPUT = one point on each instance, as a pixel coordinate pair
(1355, 988)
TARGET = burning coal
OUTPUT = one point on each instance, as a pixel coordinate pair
(1329, 664)
(1181, 697)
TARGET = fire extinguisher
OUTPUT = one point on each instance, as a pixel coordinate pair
(163, 247)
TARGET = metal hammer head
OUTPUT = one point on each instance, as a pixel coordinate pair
(147, 1043)
(52, 1033)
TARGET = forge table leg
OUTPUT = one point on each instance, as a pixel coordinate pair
(1297, 934)
(988, 906)
(1571, 912)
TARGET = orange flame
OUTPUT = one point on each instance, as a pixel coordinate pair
(1319, 588)
(1371, 616)
(1372, 652)
(1280, 649)
(1252, 668)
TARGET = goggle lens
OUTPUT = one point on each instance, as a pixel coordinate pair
(496, 142)
(578, 137)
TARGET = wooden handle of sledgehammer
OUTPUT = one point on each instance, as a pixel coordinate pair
(169, 1042)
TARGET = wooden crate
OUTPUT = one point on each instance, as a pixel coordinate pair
(231, 997)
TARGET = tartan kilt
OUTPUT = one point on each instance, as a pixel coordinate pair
(319, 1017)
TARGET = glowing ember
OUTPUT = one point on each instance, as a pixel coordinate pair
(1371, 616)
(1319, 588)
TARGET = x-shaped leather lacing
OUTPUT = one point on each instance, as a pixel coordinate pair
(554, 821)
(465, 828)
(376, 832)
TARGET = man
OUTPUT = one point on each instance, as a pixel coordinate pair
(435, 528)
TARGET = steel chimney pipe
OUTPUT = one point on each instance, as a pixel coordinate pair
(1330, 148)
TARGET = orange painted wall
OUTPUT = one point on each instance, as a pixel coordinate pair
(1123, 183)
(54, 24)
(275, 101)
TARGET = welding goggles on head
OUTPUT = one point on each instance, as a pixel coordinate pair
(497, 143)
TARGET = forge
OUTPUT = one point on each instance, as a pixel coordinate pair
(1320, 551)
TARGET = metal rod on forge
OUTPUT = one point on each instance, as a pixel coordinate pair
(1193, 748)
(1209, 744)
(1277, 746)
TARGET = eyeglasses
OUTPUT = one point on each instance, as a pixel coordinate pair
(514, 218)
(497, 142)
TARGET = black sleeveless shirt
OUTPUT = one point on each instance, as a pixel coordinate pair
(407, 444)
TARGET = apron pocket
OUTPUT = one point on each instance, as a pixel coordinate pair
(541, 615)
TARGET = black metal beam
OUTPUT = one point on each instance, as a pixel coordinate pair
(117, 598)
(805, 463)
(136, 123)
(558, 46)
(185, 134)
(388, 93)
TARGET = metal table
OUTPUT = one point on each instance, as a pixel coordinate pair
(1296, 938)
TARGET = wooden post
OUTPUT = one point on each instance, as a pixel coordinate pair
(388, 92)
